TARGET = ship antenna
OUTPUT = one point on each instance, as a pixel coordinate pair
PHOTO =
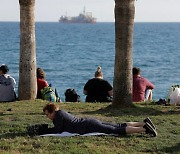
(84, 11)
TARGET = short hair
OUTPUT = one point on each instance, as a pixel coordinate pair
(4, 68)
(136, 71)
(98, 72)
(40, 73)
(50, 107)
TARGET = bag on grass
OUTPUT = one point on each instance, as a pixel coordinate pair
(171, 90)
(175, 97)
(37, 129)
(49, 94)
(71, 96)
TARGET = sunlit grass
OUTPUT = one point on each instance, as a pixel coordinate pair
(14, 139)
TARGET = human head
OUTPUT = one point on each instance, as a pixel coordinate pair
(40, 73)
(50, 109)
(98, 73)
(136, 71)
(4, 69)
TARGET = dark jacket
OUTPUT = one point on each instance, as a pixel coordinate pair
(66, 122)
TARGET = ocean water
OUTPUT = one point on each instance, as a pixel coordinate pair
(70, 53)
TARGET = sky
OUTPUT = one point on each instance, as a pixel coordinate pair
(103, 10)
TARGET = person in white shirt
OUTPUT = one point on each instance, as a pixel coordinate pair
(7, 85)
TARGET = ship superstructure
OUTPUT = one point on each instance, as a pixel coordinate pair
(85, 17)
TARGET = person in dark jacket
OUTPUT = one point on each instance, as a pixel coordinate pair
(66, 122)
(98, 89)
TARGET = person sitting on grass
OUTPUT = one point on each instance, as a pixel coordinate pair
(142, 87)
(7, 85)
(41, 82)
(66, 122)
(98, 89)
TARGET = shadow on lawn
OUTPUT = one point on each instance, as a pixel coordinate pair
(148, 110)
(12, 135)
(28, 113)
(173, 149)
(34, 113)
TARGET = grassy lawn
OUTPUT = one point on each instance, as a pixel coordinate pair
(14, 139)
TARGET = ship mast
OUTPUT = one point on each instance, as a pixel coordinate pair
(84, 10)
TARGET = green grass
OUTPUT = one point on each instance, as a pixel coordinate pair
(14, 139)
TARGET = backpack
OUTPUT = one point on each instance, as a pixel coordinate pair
(49, 94)
(71, 96)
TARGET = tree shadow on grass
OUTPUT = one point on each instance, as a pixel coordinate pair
(134, 110)
(28, 113)
(5, 114)
(13, 135)
(34, 113)
(173, 149)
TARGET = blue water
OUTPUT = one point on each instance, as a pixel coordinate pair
(70, 53)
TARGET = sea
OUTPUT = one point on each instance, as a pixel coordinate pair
(70, 53)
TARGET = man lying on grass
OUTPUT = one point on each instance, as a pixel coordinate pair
(66, 122)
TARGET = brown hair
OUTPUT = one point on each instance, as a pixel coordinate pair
(41, 73)
(50, 107)
(136, 71)
(98, 73)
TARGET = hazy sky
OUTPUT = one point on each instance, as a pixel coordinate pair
(103, 10)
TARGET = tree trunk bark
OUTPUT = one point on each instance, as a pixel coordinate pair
(124, 24)
(27, 65)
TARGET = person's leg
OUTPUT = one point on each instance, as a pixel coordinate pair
(121, 129)
(115, 124)
(147, 128)
(148, 95)
(148, 120)
(131, 129)
(94, 125)
(135, 124)
(150, 129)
(136, 127)
(141, 124)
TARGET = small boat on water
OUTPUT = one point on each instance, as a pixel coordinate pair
(85, 17)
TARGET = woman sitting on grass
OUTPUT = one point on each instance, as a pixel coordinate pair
(98, 89)
(41, 82)
(66, 122)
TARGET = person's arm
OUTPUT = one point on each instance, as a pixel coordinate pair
(109, 88)
(58, 125)
(85, 92)
(13, 81)
(149, 85)
(45, 83)
(110, 93)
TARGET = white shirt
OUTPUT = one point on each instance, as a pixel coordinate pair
(7, 86)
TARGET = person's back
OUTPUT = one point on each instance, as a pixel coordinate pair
(140, 86)
(7, 85)
(98, 89)
(41, 82)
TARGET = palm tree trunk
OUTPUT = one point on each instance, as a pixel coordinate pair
(27, 66)
(124, 24)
